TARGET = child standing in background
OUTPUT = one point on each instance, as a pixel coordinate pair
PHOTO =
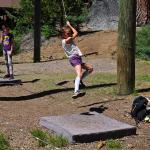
(74, 54)
(7, 43)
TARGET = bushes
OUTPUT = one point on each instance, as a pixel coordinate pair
(48, 31)
(52, 14)
(143, 43)
(17, 41)
(4, 144)
(46, 139)
(113, 145)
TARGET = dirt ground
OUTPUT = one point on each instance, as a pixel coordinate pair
(23, 105)
(104, 43)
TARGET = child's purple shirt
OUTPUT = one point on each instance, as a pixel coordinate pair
(7, 41)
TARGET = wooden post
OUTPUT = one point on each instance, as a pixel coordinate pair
(37, 30)
(126, 47)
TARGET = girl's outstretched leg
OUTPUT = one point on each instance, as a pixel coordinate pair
(88, 69)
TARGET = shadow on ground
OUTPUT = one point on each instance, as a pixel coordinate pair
(100, 109)
(55, 91)
(143, 90)
(50, 92)
(19, 82)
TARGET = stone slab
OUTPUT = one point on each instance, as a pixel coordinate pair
(9, 81)
(87, 127)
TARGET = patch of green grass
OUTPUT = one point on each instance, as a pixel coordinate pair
(41, 136)
(58, 141)
(4, 144)
(102, 78)
(101, 82)
(49, 80)
(144, 78)
(104, 83)
(135, 93)
(113, 145)
(142, 67)
(46, 139)
(142, 75)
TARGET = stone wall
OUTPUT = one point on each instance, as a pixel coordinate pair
(104, 14)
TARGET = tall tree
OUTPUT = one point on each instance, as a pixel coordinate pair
(126, 47)
(37, 30)
(143, 12)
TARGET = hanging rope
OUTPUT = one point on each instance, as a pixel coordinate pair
(64, 8)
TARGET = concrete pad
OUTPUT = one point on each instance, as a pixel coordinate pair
(87, 127)
(9, 81)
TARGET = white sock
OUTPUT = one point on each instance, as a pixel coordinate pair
(85, 74)
(10, 66)
(77, 82)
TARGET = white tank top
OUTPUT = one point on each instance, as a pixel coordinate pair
(71, 49)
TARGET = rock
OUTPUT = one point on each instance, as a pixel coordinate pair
(103, 15)
(27, 43)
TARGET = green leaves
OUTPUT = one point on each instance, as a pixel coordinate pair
(143, 43)
(52, 14)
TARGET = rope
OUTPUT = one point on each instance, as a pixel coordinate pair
(64, 9)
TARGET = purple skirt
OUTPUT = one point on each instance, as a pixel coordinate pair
(75, 60)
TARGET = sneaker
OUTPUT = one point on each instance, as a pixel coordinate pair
(6, 76)
(78, 94)
(147, 118)
(11, 77)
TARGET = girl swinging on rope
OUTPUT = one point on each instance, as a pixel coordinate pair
(74, 54)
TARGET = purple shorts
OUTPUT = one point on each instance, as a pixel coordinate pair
(75, 60)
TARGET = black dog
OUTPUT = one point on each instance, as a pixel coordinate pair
(139, 111)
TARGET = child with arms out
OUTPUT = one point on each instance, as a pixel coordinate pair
(74, 54)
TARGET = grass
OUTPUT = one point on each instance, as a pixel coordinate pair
(143, 78)
(41, 136)
(104, 78)
(58, 141)
(98, 83)
(113, 145)
(46, 139)
(135, 93)
(4, 144)
(104, 83)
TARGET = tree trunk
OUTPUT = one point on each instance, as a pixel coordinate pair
(126, 47)
(37, 30)
(143, 12)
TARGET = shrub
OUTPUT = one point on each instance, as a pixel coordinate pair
(46, 139)
(4, 144)
(143, 43)
(40, 136)
(17, 41)
(48, 31)
(113, 145)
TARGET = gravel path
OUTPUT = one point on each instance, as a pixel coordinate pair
(61, 66)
